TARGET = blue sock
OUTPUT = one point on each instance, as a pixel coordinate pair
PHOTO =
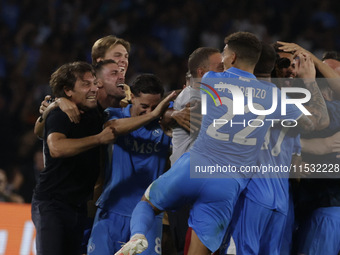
(142, 219)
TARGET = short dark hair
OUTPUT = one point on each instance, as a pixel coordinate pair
(98, 67)
(147, 84)
(102, 45)
(331, 55)
(199, 58)
(245, 45)
(267, 59)
(67, 75)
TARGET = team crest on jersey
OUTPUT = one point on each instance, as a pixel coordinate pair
(157, 132)
(91, 247)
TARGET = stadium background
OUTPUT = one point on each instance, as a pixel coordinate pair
(37, 36)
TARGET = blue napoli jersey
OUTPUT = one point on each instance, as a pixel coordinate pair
(138, 158)
(239, 138)
(272, 190)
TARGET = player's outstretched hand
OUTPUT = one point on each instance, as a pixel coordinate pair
(163, 105)
(291, 47)
(136, 245)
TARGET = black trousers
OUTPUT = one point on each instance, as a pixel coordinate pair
(59, 226)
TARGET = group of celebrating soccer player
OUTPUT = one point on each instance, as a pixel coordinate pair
(107, 185)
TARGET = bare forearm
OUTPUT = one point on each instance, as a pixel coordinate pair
(317, 107)
(324, 69)
(71, 147)
(332, 77)
(317, 146)
(61, 146)
(40, 122)
(127, 125)
(39, 127)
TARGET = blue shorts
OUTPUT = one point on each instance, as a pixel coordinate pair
(110, 231)
(256, 229)
(320, 234)
(212, 200)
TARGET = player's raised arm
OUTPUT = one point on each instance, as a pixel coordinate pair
(323, 68)
(127, 125)
(316, 106)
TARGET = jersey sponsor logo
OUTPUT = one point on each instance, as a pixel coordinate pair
(142, 147)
